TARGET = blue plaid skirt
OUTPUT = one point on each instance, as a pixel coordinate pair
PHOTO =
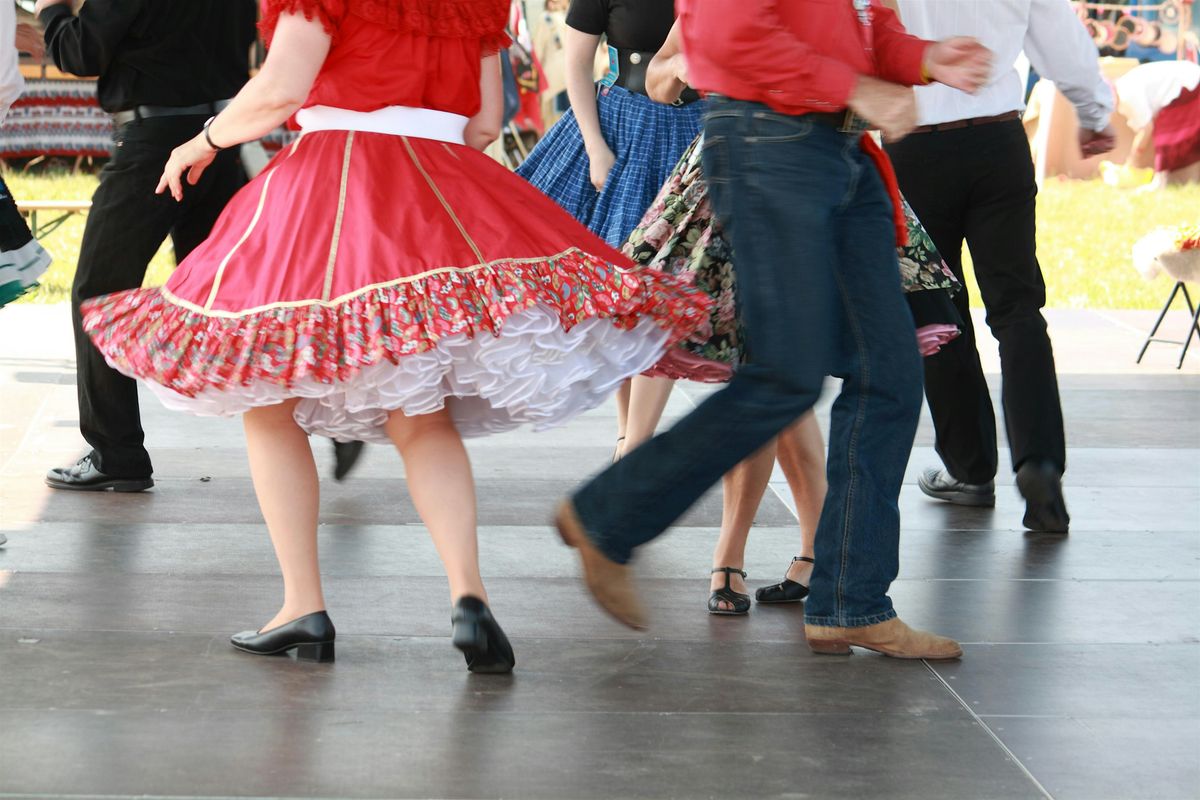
(647, 138)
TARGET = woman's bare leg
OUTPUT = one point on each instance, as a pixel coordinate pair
(623, 411)
(744, 487)
(285, 481)
(647, 399)
(802, 458)
(443, 490)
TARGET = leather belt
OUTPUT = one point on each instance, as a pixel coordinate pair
(842, 121)
(1008, 116)
(122, 118)
(631, 74)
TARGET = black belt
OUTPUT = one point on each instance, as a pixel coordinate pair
(149, 112)
(631, 75)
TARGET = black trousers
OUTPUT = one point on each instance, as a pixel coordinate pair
(977, 184)
(125, 228)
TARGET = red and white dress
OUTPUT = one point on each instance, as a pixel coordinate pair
(380, 264)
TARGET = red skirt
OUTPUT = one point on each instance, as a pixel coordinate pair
(369, 272)
(1177, 133)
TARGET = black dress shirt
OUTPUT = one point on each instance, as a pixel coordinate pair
(155, 52)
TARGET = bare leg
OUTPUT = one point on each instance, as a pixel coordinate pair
(744, 487)
(623, 411)
(285, 480)
(802, 458)
(443, 490)
(647, 399)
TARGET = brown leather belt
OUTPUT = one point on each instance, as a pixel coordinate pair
(1008, 116)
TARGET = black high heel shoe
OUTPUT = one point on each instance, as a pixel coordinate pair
(739, 603)
(480, 638)
(311, 636)
(787, 590)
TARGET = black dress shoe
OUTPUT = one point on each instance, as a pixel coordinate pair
(311, 636)
(479, 637)
(941, 485)
(345, 457)
(83, 476)
(1040, 483)
(787, 590)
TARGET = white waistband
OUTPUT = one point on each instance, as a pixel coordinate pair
(421, 123)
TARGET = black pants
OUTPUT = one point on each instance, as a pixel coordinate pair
(976, 184)
(125, 228)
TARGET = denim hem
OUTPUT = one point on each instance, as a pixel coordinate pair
(850, 622)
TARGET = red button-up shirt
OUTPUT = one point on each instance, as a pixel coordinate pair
(795, 56)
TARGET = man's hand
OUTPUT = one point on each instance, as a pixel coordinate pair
(42, 5)
(887, 106)
(961, 62)
(1093, 143)
(29, 40)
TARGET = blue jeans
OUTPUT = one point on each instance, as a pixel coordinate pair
(819, 293)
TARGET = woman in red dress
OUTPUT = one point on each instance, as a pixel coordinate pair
(382, 280)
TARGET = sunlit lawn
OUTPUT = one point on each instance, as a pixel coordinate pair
(1085, 232)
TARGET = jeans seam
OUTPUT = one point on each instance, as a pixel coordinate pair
(855, 430)
(853, 622)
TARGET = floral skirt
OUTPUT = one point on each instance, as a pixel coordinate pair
(367, 272)
(680, 235)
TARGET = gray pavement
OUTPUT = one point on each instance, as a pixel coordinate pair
(116, 679)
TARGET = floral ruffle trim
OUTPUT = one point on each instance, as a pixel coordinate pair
(143, 333)
(481, 19)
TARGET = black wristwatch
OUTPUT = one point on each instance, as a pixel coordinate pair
(208, 137)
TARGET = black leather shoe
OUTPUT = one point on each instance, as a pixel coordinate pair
(311, 636)
(787, 590)
(1040, 483)
(83, 476)
(345, 457)
(941, 485)
(479, 637)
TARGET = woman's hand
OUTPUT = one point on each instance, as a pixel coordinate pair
(192, 157)
(599, 165)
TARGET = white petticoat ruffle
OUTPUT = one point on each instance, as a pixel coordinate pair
(533, 373)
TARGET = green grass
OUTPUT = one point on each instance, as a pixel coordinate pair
(1085, 233)
(64, 242)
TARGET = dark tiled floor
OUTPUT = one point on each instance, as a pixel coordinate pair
(1079, 681)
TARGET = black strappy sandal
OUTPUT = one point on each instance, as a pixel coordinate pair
(617, 451)
(740, 602)
(787, 590)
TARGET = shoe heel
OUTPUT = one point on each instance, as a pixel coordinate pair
(322, 653)
(131, 487)
(829, 647)
(470, 638)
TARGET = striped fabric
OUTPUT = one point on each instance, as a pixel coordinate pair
(57, 118)
(647, 138)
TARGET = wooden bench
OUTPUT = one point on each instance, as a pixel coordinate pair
(64, 209)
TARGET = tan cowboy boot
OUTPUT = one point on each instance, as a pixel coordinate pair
(609, 582)
(892, 638)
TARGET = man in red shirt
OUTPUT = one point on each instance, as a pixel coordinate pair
(812, 212)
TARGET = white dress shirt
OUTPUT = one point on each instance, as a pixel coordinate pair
(11, 82)
(1050, 33)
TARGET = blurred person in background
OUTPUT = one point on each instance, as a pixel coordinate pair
(1161, 103)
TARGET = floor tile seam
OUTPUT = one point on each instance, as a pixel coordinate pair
(705, 641)
(1100, 717)
(374, 712)
(1004, 748)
